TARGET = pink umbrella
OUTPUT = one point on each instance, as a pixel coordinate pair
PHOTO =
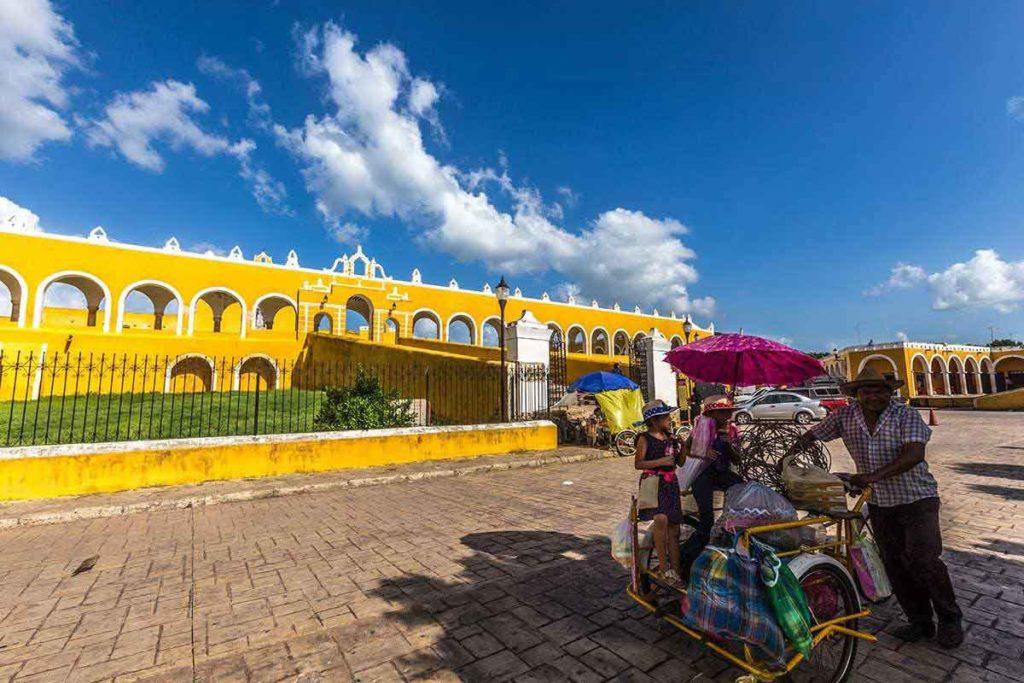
(742, 360)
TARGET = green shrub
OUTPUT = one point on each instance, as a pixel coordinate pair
(364, 405)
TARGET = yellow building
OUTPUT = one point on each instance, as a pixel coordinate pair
(169, 302)
(935, 371)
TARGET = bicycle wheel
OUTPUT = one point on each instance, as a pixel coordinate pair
(830, 594)
(625, 443)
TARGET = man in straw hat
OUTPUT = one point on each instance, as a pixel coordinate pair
(887, 440)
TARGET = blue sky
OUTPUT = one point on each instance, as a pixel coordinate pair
(808, 149)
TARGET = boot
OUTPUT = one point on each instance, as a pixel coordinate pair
(914, 632)
(949, 635)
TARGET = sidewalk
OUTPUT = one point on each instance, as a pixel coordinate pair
(57, 510)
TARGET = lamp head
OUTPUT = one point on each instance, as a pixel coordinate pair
(501, 290)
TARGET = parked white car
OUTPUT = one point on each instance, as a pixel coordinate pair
(780, 405)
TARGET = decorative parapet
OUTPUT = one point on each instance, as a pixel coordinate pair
(172, 245)
(920, 346)
(236, 254)
(98, 234)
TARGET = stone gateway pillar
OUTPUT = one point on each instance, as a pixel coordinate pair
(661, 379)
(528, 350)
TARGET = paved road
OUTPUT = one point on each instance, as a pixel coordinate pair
(486, 577)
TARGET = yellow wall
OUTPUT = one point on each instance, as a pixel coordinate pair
(118, 467)
(1006, 400)
(35, 258)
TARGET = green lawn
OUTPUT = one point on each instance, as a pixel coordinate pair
(123, 417)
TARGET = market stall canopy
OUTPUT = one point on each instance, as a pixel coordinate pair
(594, 382)
(740, 360)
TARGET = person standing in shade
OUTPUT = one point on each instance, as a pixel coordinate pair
(887, 441)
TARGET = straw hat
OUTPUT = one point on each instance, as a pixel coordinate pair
(715, 403)
(653, 409)
(866, 377)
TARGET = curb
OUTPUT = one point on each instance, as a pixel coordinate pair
(101, 511)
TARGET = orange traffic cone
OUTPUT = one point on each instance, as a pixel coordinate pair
(932, 420)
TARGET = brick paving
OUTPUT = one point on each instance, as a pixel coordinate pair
(496, 576)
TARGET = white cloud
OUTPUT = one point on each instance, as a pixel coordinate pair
(37, 47)
(1015, 108)
(902, 336)
(902, 276)
(345, 233)
(208, 247)
(259, 111)
(985, 281)
(136, 123)
(14, 218)
(368, 156)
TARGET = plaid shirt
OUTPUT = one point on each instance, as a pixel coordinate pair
(898, 424)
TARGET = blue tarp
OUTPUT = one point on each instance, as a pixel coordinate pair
(593, 382)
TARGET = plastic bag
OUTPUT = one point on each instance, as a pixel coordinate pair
(867, 565)
(702, 436)
(754, 504)
(725, 598)
(786, 598)
(622, 543)
(621, 408)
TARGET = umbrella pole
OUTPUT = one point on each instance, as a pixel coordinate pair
(735, 378)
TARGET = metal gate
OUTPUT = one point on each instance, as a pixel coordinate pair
(556, 368)
(638, 364)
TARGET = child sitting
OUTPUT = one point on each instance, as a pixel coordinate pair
(656, 452)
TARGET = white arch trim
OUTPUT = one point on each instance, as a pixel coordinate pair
(23, 299)
(942, 362)
(159, 283)
(37, 313)
(474, 333)
(872, 357)
(432, 313)
(186, 356)
(236, 372)
(199, 295)
(586, 338)
(927, 372)
(995, 364)
(609, 342)
(629, 340)
(271, 295)
(492, 320)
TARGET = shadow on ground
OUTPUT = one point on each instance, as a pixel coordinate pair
(983, 469)
(538, 606)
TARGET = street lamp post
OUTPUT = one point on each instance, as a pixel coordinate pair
(835, 357)
(687, 331)
(501, 291)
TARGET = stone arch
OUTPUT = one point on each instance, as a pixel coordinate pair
(875, 360)
(266, 308)
(576, 340)
(621, 345)
(922, 377)
(555, 327)
(192, 369)
(362, 308)
(973, 385)
(1009, 371)
(465, 321)
(988, 383)
(18, 290)
(259, 364)
(423, 318)
(323, 322)
(675, 341)
(92, 288)
(639, 337)
(490, 332)
(956, 376)
(939, 372)
(219, 299)
(599, 342)
(160, 295)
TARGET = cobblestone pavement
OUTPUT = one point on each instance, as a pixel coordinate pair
(496, 576)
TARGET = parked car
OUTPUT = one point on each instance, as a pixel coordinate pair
(781, 405)
(755, 394)
(830, 395)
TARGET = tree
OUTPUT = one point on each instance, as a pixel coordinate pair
(1005, 342)
(364, 405)
(819, 354)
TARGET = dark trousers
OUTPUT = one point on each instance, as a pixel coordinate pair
(910, 543)
(703, 489)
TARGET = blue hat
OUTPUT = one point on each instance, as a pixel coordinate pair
(653, 409)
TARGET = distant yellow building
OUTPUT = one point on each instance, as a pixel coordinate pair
(169, 302)
(935, 370)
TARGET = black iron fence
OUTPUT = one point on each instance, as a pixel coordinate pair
(88, 397)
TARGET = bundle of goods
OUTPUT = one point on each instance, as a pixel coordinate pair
(622, 543)
(812, 488)
(753, 504)
(725, 598)
(867, 565)
(786, 597)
